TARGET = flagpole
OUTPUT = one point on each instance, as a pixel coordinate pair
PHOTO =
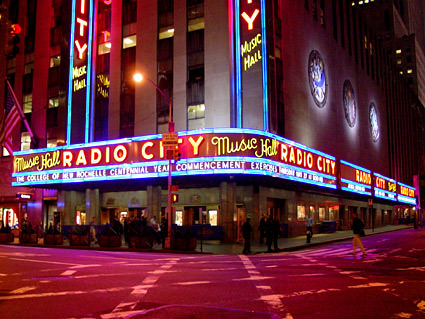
(21, 113)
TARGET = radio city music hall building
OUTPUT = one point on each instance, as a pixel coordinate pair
(288, 108)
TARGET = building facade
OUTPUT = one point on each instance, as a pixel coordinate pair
(286, 108)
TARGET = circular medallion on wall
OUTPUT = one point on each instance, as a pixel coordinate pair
(317, 78)
(373, 122)
(350, 108)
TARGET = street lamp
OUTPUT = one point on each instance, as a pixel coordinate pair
(138, 77)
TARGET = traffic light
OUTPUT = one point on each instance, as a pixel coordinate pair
(176, 154)
(175, 197)
(13, 39)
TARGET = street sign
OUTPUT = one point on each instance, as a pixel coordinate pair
(169, 137)
(169, 140)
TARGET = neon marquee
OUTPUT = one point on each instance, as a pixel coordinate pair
(80, 70)
(221, 151)
(203, 152)
(355, 179)
(251, 66)
(406, 194)
(385, 187)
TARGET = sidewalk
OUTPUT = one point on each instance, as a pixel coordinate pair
(293, 243)
(216, 247)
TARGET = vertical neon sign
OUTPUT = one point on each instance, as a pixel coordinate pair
(251, 64)
(80, 65)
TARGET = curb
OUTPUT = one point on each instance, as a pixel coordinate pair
(197, 252)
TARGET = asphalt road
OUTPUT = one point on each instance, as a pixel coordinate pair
(321, 282)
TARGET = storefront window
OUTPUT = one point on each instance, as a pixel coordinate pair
(333, 213)
(322, 213)
(212, 214)
(300, 212)
(9, 217)
(313, 212)
(179, 218)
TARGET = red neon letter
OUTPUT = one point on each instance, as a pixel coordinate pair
(83, 5)
(81, 158)
(250, 20)
(108, 155)
(95, 156)
(123, 156)
(196, 144)
(283, 152)
(144, 147)
(67, 158)
(83, 23)
(80, 49)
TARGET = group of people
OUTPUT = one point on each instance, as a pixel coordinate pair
(140, 226)
(270, 229)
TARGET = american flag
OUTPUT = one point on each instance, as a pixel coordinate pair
(14, 115)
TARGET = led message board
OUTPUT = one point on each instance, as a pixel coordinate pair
(251, 64)
(406, 194)
(215, 151)
(79, 86)
(384, 187)
(355, 178)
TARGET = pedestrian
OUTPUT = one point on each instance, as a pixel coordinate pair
(246, 232)
(262, 229)
(153, 223)
(309, 228)
(358, 230)
(276, 232)
(269, 234)
(164, 230)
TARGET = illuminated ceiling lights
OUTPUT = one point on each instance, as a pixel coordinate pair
(353, 3)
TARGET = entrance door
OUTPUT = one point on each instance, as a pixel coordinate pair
(241, 217)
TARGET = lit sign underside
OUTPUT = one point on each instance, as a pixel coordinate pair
(385, 187)
(225, 151)
(355, 179)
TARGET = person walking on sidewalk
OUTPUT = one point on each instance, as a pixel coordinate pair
(262, 229)
(276, 232)
(269, 234)
(246, 232)
(358, 230)
(309, 230)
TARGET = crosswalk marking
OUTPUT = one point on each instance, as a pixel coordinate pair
(329, 252)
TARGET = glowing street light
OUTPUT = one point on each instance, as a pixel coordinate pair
(138, 77)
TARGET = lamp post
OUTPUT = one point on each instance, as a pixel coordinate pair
(138, 77)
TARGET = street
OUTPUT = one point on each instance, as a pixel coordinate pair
(320, 282)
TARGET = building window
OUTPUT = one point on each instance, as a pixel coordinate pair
(166, 33)
(129, 36)
(5, 152)
(322, 213)
(212, 217)
(129, 11)
(313, 212)
(29, 67)
(333, 213)
(25, 141)
(52, 143)
(195, 112)
(55, 61)
(27, 105)
(300, 212)
(129, 41)
(53, 102)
